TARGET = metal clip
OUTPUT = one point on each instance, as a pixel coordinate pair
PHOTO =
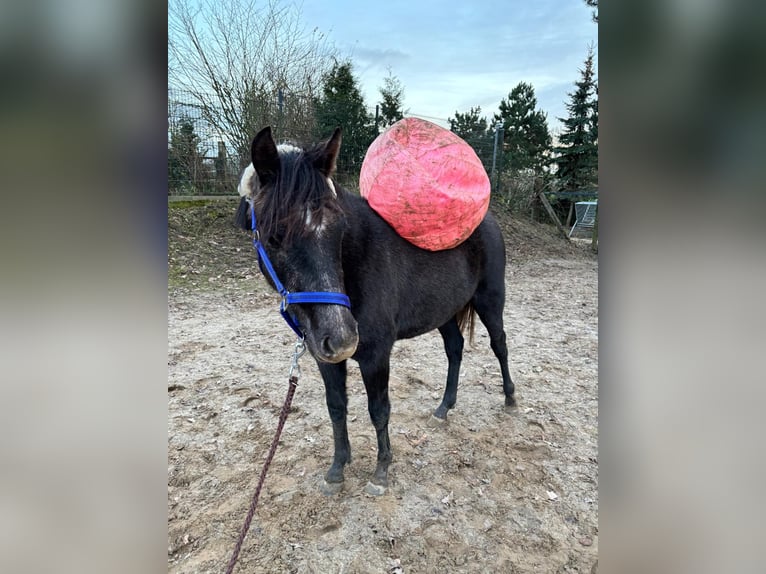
(300, 348)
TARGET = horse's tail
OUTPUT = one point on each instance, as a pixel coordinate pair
(466, 321)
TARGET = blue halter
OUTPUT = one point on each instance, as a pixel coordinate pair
(288, 298)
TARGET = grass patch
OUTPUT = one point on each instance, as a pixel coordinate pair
(187, 203)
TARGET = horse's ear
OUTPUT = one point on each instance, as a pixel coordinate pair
(326, 162)
(265, 156)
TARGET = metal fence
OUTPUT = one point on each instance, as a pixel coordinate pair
(204, 161)
(200, 159)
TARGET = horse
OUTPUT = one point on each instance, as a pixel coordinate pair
(320, 237)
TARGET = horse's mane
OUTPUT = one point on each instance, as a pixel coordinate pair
(298, 194)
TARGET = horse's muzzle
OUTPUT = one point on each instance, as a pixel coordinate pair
(332, 335)
(336, 347)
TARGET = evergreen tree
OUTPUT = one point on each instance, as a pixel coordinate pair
(577, 158)
(392, 94)
(341, 104)
(472, 127)
(184, 157)
(594, 116)
(526, 139)
(469, 125)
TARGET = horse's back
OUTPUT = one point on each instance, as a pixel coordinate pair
(418, 290)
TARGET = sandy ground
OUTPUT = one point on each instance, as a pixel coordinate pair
(488, 491)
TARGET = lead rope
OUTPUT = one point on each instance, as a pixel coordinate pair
(293, 376)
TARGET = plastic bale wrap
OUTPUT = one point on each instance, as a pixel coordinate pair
(426, 182)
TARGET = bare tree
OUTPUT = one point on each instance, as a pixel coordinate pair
(593, 4)
(247, 64)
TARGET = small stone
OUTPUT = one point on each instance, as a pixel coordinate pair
(374, 489)
(586, 541)
(330, 488)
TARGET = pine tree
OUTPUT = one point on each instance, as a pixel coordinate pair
(342, 105)
(184, 157)
(469, 125)
(526, 139)
(577, 158)
(594, 117)
(472, 127)
(392, 94)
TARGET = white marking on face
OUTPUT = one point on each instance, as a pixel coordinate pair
(245, 187)
(287, 148)
(316, 228)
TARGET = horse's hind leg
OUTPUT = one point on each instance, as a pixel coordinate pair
(489, 307)
(453, 346)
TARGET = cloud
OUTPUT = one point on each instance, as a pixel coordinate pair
(471, 54)
(382, 58)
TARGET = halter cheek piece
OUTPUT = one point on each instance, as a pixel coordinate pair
(323, 297)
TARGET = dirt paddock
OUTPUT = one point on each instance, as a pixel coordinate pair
(488, 491)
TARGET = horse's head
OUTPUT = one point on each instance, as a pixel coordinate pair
(301, 225)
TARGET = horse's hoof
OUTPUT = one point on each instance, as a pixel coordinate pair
(374, 489)
(435, 421)
(330, 488)
(510, 401)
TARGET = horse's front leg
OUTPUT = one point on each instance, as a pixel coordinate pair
(375, 376)
(334, 376)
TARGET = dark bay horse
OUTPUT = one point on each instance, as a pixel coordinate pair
(320, 237)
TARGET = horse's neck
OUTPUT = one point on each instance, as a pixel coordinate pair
(368, 229)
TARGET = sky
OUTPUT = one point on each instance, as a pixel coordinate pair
(451, 56)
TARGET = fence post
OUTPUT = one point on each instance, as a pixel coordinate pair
(594, 237)
(498, 138)
(540, 194)
(220, 165)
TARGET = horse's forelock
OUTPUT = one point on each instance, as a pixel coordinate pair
(248, 183)
(299, 197)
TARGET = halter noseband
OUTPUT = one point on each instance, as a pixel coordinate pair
(323, 297)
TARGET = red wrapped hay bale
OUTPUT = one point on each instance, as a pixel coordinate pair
(426, 182)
